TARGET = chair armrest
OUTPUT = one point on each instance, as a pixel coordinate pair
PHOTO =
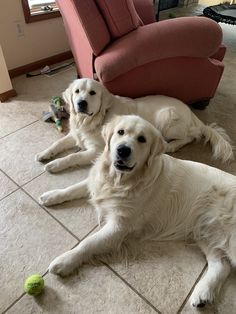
(220, 53)
(197, 37)
(145, 10)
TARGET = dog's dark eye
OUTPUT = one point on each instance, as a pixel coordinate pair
(77, 91)
(121, 132)
(141, 139)
(92, 92)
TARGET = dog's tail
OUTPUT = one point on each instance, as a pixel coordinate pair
(218, 138)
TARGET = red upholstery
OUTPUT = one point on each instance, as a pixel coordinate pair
(93, 24)
(158, 41)
(176, 77)
(179, 57)
(145, 10)
(220, 53)
(120, 16)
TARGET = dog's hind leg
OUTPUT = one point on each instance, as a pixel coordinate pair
(175, 145)
(174, 129)
(59, 146)
(209, 286)
(76, 191)
(106, 239)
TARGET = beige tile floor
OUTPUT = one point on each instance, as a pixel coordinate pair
(160, 280)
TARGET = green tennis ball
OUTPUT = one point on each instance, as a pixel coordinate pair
(34, 284)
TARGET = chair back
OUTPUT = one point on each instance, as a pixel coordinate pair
(86, 31)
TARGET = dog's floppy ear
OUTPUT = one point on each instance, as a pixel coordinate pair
(67, 97)
(106, 99)
(107, 132)
(157, 148)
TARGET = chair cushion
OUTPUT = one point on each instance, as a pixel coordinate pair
(197, 37)
(91, 20)
(175, 77)
(120, 16)
(145, 10)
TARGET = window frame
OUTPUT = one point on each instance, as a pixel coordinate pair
(29, 18)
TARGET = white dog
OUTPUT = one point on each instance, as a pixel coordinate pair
(91, 106)
(136, 189)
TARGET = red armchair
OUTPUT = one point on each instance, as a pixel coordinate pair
(120, 43)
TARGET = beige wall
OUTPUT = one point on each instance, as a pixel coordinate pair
(207, 3)
(5, 82)
(40, 40)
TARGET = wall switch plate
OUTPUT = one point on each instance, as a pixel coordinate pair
(19, 29)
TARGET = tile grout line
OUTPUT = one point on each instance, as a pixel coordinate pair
(132, 288)
(1, 199)
(44, 274)
(20, 186)
(19, 129)
(88, 233)
(79, 240)
(22, 295)
(33, 179)
(108, 266)
(58, 221)
(191, 290)
(45, 210)
(13, 303)
(11, 181)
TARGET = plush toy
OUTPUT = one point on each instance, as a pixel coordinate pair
(56, 112)
(171, 15)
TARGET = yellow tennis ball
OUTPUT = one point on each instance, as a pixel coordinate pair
(34, 284)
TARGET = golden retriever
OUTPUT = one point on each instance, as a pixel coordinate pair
(137, 190)
(91, 106)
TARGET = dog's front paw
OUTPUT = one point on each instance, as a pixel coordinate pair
(63, 265)
(45, 155)
(201, 296)
(50, 198)
(53, 166)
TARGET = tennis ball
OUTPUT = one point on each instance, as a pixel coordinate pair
(34, 284)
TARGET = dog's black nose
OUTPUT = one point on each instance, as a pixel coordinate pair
(123, 151)
(82, 104)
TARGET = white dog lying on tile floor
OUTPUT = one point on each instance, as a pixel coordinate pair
(91, 106)
(137, 190)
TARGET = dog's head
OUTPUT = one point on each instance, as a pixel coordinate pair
(132, 144)
(87, 98)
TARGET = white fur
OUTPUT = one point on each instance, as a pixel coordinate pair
(179, 126)
(162, 197)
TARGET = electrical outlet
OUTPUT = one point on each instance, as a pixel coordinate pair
(19, 29)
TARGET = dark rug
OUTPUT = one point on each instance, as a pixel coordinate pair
(224, 13)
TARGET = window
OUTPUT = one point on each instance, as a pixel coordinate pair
(37, 10)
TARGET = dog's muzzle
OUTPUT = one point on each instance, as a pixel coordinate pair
(122, 153)
(83, 107)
